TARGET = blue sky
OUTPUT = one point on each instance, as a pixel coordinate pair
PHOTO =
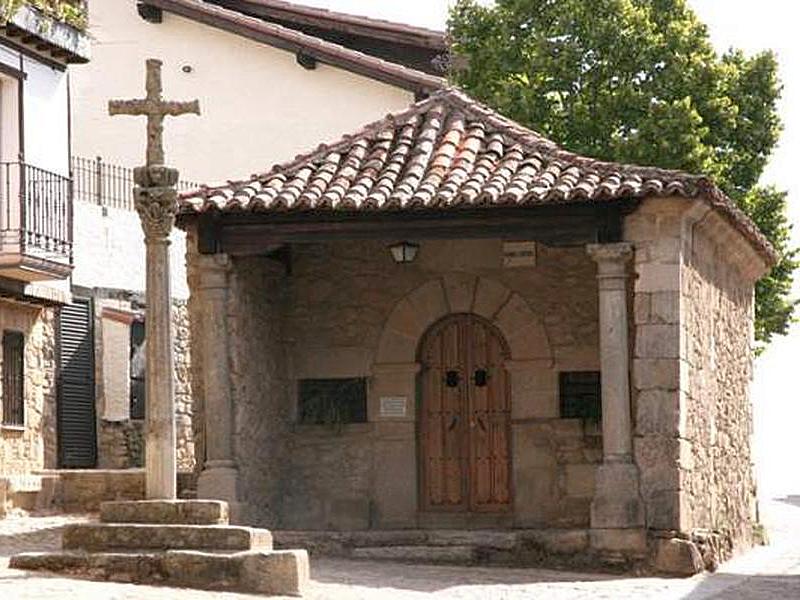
(752, 26)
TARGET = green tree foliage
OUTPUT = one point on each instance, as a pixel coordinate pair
(72, 12)
(636, 81)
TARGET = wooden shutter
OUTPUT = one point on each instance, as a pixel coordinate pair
(13, 378)
(77, 438)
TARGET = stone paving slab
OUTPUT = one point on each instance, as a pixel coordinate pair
(767, 573)
(132, 536)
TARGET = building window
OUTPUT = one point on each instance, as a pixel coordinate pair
(579, 392)
(13, 378)
(332, 401)
(137, 365)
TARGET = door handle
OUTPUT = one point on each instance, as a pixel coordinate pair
(480, 377)
(453, 423)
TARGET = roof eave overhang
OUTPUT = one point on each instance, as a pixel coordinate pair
(324, 52)
(324, 19)
(245, 232)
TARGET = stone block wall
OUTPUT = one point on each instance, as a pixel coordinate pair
(258, 379)
(554, 469)
(120, 442)
(691, 367)
(82, 490)
(329, 484)
(659, 369)
(182, 357)
(33, 446)
(718, 330)
(347, 310)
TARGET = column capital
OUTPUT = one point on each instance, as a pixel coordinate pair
(620, 252)
(612, 263)
(213, 270)
(156, 207)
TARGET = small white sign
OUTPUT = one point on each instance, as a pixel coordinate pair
(394, 406)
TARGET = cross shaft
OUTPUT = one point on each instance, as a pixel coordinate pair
(155, 108)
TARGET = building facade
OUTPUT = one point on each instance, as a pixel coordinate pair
(213, 54)
(444, 320)
(36, 242)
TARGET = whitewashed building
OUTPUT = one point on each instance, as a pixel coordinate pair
(270, 83)
(36, 241)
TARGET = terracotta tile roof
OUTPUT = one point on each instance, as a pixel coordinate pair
(450, 152)
(346, 23)
(295, 41)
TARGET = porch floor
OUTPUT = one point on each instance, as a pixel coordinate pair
(554, 547)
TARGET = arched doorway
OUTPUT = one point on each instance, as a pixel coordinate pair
(464, 417)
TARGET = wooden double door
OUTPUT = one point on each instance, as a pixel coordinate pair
(464, 417)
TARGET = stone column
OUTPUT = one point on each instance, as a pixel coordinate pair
(155, 201)
(218, 480)
(617, 513)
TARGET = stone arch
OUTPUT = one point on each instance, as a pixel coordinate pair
(453, 293)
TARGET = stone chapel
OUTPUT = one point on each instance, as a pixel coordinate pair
(445, 321)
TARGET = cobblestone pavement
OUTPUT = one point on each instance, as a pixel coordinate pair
(771, 572)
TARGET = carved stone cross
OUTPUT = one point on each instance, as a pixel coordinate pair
(155, 200)
(155, 109)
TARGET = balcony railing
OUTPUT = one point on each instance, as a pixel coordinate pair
(36, 212)
(109, 185)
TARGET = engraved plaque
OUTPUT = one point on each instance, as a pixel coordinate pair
(519, 254)
(393, 406)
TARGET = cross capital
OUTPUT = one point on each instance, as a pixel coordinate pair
(155, 108)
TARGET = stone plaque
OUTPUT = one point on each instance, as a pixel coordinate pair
(519, 254)
(394, 406)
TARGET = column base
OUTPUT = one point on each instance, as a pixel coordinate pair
(220, 483)
(617, 503)
(628, 543)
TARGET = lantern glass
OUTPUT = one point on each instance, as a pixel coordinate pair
(404, 252)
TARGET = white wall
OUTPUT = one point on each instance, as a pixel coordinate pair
(46, 117)
(258, 105)
(45, 110)
(109, 251)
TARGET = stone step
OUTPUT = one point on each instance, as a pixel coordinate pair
(168, 512)
(458, 555)
(490, 539)
(93, 537)
(283, 573)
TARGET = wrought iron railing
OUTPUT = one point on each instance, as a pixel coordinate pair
(105, 184)
(36, 211)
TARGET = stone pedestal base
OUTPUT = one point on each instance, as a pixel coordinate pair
(186, 543)
(221, 483)
(617, 512)
(617, 503)
(218, 483)
(627, 543)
